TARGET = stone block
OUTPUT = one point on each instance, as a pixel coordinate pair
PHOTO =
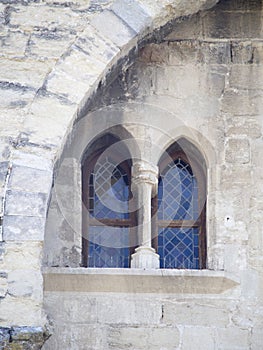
(198, 338)
(246, 77)
(11, 120)
(47, 129)
(14, 43)
(48, 17)
(97, 46)
(235, 176)
(77, 337)
(257, 49)
(232, 25)
(4, 337)
(78, 70)
(29, 179)
(189, 28)
(238, 151)
(30, 160)
(25, 72)
(140, 338)
(71, 308)
(205, 313)
(112, 27)
(21, 255)
(247, 52)
(4, 167)
(242, 52)
(2, 14)
(256, 338)
(166, 337)
(182, 81)
(48, 46)
(235, 257)
(132, 13)
(181, 52)
(24, 283)
(154, 53)
(240, 103)
(232, 338)
(239, 5)
(23, 228)
(25, 203)
(214, 53)
(21, 311)
(130, 311)
(247, 126)
(3, 286)
(14, 96)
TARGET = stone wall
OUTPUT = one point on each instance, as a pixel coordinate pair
(204, 82)
(59, 61)
(53, 55)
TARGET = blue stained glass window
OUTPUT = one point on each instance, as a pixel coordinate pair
(108, 247)
(177, 193)
(178, 246)
(108, 199)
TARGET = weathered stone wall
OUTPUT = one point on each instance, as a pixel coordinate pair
(211, 81)
(208, 75)
(53, 56)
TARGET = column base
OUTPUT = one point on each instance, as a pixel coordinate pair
(145, 258)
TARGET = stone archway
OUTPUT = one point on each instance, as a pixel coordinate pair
(53, 93)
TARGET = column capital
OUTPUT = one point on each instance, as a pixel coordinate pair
(145, 172)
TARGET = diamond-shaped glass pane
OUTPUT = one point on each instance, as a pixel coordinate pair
(177, 192)
(109, 192)
(108, 247)
(178, 248)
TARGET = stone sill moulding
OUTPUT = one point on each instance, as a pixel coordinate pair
(117, 280)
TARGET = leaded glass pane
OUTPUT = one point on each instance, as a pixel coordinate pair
(177, 193)
(109, 199)
(108, 247)
(178, 248)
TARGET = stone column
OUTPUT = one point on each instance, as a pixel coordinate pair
(144, 187)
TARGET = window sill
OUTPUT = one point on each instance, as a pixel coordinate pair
(162, 281)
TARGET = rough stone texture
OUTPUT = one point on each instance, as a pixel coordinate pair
(213, 89)
(203, 81)
(22, 338)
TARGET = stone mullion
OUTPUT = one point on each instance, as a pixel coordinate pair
(144, 185)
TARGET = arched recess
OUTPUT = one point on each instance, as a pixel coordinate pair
(179, 209)
(63, 244)
(69, 104)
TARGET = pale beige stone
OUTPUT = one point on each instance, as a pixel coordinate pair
(26, 72)
(3, 284)
(231, 338)
(238, 151)
(13, 43)
(207, 89)
(198, 338)
(21, 311)
(192, 313)
(50, 17)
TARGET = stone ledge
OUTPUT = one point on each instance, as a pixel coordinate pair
(137, 281)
